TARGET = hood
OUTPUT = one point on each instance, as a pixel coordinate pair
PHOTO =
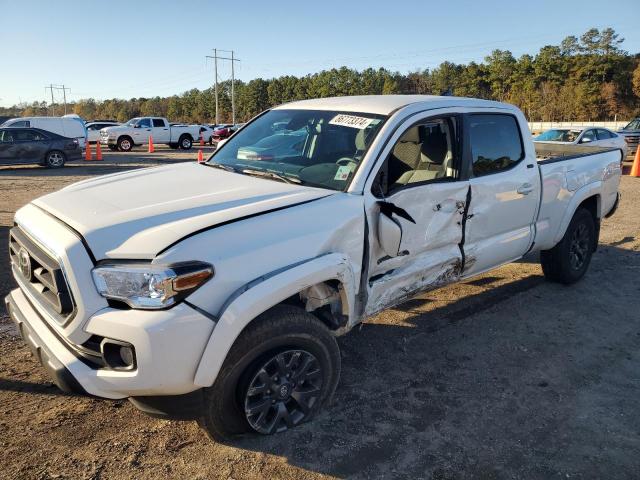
(137, 214)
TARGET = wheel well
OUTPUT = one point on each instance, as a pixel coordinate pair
(592, 205)
(124, 136)
(185, 135)
(326, 300)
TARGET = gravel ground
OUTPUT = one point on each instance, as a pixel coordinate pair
(503, 376)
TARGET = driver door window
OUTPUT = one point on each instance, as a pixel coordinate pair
(424, 153)
(589, 136)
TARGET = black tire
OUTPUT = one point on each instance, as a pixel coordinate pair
(185, 142)
(278, 333)
(125, 144)
(113, 148)
(55, 159)
(569, 260)
(174, 146)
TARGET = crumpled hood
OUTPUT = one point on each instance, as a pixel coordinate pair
(137, 214)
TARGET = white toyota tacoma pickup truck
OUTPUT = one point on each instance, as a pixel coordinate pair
(215, 291)
(138, 130)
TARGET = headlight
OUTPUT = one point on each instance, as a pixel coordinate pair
(149, 286)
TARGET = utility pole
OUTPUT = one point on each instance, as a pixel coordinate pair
(53, 108)
(233, 93)
(64, 89)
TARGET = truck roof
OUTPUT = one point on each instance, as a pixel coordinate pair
(386, 104)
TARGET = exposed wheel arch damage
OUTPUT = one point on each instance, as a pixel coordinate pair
(324, 286)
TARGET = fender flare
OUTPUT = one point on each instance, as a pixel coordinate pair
(256, 298)
(591, 190)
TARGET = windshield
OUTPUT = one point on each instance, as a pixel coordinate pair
(559, 135)
(310, 147)
(132, 122)
(633, 125)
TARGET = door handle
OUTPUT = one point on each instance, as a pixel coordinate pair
(525, 189)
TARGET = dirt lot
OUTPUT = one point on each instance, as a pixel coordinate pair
(504, 376)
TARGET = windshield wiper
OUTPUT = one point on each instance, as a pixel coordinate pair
(228, 168)
(273, 175)
(255, 173)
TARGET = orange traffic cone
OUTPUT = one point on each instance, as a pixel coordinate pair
(98, 151)
(151, 149)
(200, 156)
(635, 169)
(87, 152)
(201, 140)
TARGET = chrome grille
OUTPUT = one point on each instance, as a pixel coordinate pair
(41, 274)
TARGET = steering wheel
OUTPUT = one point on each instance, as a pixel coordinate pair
(346, 161)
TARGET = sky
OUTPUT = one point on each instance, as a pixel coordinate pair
(143, 48)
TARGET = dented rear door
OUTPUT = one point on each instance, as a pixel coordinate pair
(505, 190)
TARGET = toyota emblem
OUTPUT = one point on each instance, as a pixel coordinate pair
(24, 263)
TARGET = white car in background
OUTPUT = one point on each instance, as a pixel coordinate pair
(591, 136)
(93, 129)
(69, 127)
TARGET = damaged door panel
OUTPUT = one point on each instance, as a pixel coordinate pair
(429, 253)
(505, 189)
(417, 225)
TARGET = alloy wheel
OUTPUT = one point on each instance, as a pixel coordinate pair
(283, 391)
(55, 159)
(579, 247)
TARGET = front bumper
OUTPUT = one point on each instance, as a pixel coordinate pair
(74, 154)
(60, 374)
(107, 141)
(168, 346)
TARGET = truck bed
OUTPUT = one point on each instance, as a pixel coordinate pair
(559, 151)
(568, 174)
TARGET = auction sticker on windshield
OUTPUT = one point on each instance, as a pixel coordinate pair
(351, 121)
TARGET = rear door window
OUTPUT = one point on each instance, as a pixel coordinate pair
(21, 124)
(27, 136)
(496, 144)
(158, 122)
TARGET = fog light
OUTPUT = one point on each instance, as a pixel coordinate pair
(118, 355)
(126, 355)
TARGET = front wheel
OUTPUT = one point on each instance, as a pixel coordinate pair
(569, 260)
(277, 375)
(55, 159)
(125, 144)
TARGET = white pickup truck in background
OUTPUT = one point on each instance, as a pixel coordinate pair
(138, 130)
(215, 291)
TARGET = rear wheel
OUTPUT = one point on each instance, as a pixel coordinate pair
(185, 142)
(278, 374)
(55, 159)
(569, 260)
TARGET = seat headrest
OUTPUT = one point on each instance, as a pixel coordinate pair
(412, 135)
(360, 140)
(434, 149)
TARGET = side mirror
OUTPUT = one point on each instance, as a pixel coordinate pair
(137, 125)
(585, 140)
(389, 235)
